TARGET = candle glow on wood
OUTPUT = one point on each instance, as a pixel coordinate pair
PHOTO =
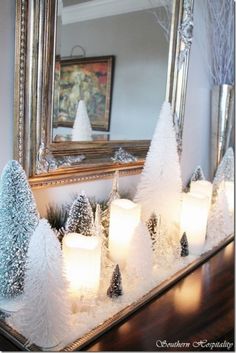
(229, 192)
(194, 220)
(202, 187)
(188, 295)
(124, 218)
(82, 259)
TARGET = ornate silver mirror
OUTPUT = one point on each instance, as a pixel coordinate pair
(91, 76)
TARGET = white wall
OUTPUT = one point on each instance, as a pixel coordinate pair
(141, 59)
(196, 146)
(196, 141)
(99, 189)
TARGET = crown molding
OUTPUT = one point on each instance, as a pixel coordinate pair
(104, 8)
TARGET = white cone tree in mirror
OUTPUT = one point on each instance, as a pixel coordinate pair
(82, 130)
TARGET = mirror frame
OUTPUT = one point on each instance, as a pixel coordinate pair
(33, 101)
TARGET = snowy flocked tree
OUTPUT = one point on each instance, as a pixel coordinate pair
(82, 130)
(225, 171)
(57, 216)
(220, 221)
(140, 259)
(45, 318)
(115, 288)
(152, 225)
(184, 245)
(98, 221)
(18, 220)
(160, 186)
(106, 262)
(198, 174)
(80, 218)
(167, 247)
(114, 195)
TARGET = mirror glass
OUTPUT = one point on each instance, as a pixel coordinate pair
(110, 70)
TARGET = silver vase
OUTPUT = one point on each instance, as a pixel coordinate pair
(222, 120)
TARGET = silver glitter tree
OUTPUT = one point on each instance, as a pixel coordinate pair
(122, 156)
(152, 225)
(198, 174)
(114, 194)
(184, 245)
(115, 288)
(18, 220)
(80, 218)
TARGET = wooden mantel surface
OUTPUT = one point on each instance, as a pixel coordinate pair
(199, 307)
(198, 311)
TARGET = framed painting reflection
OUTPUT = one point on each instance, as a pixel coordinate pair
(88, 79)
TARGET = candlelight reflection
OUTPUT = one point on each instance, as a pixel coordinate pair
(188, 295)
(125, 328)
(229, 191)
(228, 251)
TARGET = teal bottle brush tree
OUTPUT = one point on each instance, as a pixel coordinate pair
(18, 220)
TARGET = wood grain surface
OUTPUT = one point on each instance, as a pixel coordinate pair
(199, 307)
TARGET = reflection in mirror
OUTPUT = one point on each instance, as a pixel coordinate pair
(110, 70)
(136, 90)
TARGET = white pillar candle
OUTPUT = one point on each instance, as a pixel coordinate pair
(229, 192)
(194, 220)
(124, 217)
(202, 187)
(82, 260)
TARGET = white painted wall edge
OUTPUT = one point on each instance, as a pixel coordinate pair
(104, 8)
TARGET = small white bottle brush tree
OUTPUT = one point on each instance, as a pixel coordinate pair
(82, 130)
(45, 317)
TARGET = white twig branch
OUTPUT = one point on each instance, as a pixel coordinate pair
(218, 43)
(163, 16)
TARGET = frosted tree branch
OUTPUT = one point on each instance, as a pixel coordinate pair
(163, 16)
(216, 39)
